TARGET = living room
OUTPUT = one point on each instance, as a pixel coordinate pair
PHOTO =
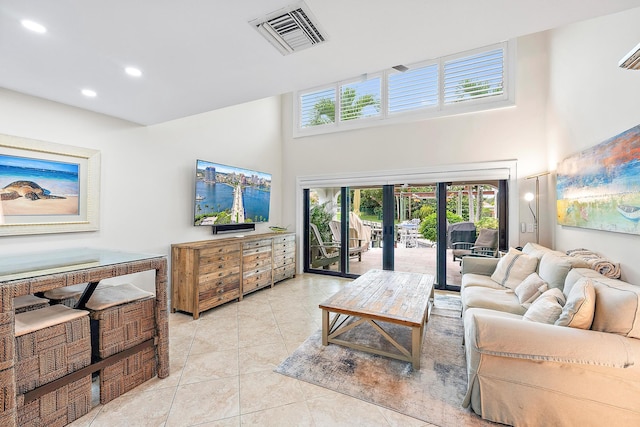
(570, 95)
(553, 118)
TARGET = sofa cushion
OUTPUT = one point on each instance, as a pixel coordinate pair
(535, 250)
(554, 268)
(547, 308)
(513, 268)
(530, 289)
(472, 279)
(503, 299)
(617, 303)
(580, 306)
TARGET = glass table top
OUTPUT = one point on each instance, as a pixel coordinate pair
(33, 264)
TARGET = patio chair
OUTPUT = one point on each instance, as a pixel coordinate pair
(322, 254)
(363, 232)
(355, 244)
(486, 245)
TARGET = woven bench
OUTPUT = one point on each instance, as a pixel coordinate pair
(57, 408)
(28, 303)
(50, 343)
(69, 295)
(122, 317)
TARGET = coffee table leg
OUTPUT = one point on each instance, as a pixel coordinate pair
(416, 345)
(325, 327)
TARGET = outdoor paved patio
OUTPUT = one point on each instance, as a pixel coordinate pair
(418, 260)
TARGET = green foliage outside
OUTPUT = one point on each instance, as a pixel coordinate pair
(319, 216)
(487, 222)
(324, 111)
(428, 226)
(470, 88)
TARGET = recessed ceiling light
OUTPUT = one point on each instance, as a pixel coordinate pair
(89, 93)
(132, 71)
(33, 26)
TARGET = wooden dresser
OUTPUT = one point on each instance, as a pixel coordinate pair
(208, 273)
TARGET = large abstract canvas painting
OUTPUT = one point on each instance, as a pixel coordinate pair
(599, 188)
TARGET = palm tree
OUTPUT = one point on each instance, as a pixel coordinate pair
(470, 88)
(324, 111)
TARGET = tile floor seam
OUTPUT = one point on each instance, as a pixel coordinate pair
(238, 376)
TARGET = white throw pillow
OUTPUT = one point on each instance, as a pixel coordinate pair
(547, 308)
(513, 268)
(580, 307)
(530, 289)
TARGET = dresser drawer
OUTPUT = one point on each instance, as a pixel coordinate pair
(214, 300)
(284, 239)
(256, 244)
(219, 262)
(219, 250)
(233, 271)
(253, 263)
(218, 289)
(282, 273)
(256, 281)
(280, 260)
(229, 281)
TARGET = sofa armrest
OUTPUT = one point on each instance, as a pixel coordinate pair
(479, 265)
(497, 335)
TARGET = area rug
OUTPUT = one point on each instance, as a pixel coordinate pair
(433, 394)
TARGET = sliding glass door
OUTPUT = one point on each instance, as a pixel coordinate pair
(409, 227)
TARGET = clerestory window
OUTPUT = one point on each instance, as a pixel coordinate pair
(466, 82)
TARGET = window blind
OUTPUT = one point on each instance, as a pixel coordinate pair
(413, 89)
(473, 77)
(318, 108)
(360, 99)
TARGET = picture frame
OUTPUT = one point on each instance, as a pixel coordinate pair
(599, 188)
(27, 206)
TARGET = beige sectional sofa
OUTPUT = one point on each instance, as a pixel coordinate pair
(524, 368)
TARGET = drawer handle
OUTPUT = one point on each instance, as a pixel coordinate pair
(220, 290)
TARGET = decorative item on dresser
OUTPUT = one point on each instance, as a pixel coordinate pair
(209, 273)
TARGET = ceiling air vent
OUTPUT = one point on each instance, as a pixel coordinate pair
(631, 61)
(290, 29)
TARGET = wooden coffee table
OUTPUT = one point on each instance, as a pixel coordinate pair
(381, 296)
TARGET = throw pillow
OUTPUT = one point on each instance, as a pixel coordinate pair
(547, 308)
(513, 268)
(580, 307)
(530, 289)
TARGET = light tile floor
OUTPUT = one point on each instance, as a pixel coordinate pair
(222, 369)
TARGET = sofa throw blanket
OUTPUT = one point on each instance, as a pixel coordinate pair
(596, 262)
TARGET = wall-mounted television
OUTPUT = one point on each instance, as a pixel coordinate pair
(227, 196)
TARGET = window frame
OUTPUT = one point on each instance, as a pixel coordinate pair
(506, 99)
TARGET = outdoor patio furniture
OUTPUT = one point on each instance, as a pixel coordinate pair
(355, 244)
(322, 254)
(461, 232)
(363, 232)
(408, 232)
(486, 245)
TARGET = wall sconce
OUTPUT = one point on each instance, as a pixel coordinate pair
(529, 197)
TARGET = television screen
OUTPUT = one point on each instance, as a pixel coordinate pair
(230, 195)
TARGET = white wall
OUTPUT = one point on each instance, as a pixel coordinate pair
(592, 99)
(147, 180)
(511, 133)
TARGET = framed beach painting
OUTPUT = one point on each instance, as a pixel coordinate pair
(47, 187)
(599, 188)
